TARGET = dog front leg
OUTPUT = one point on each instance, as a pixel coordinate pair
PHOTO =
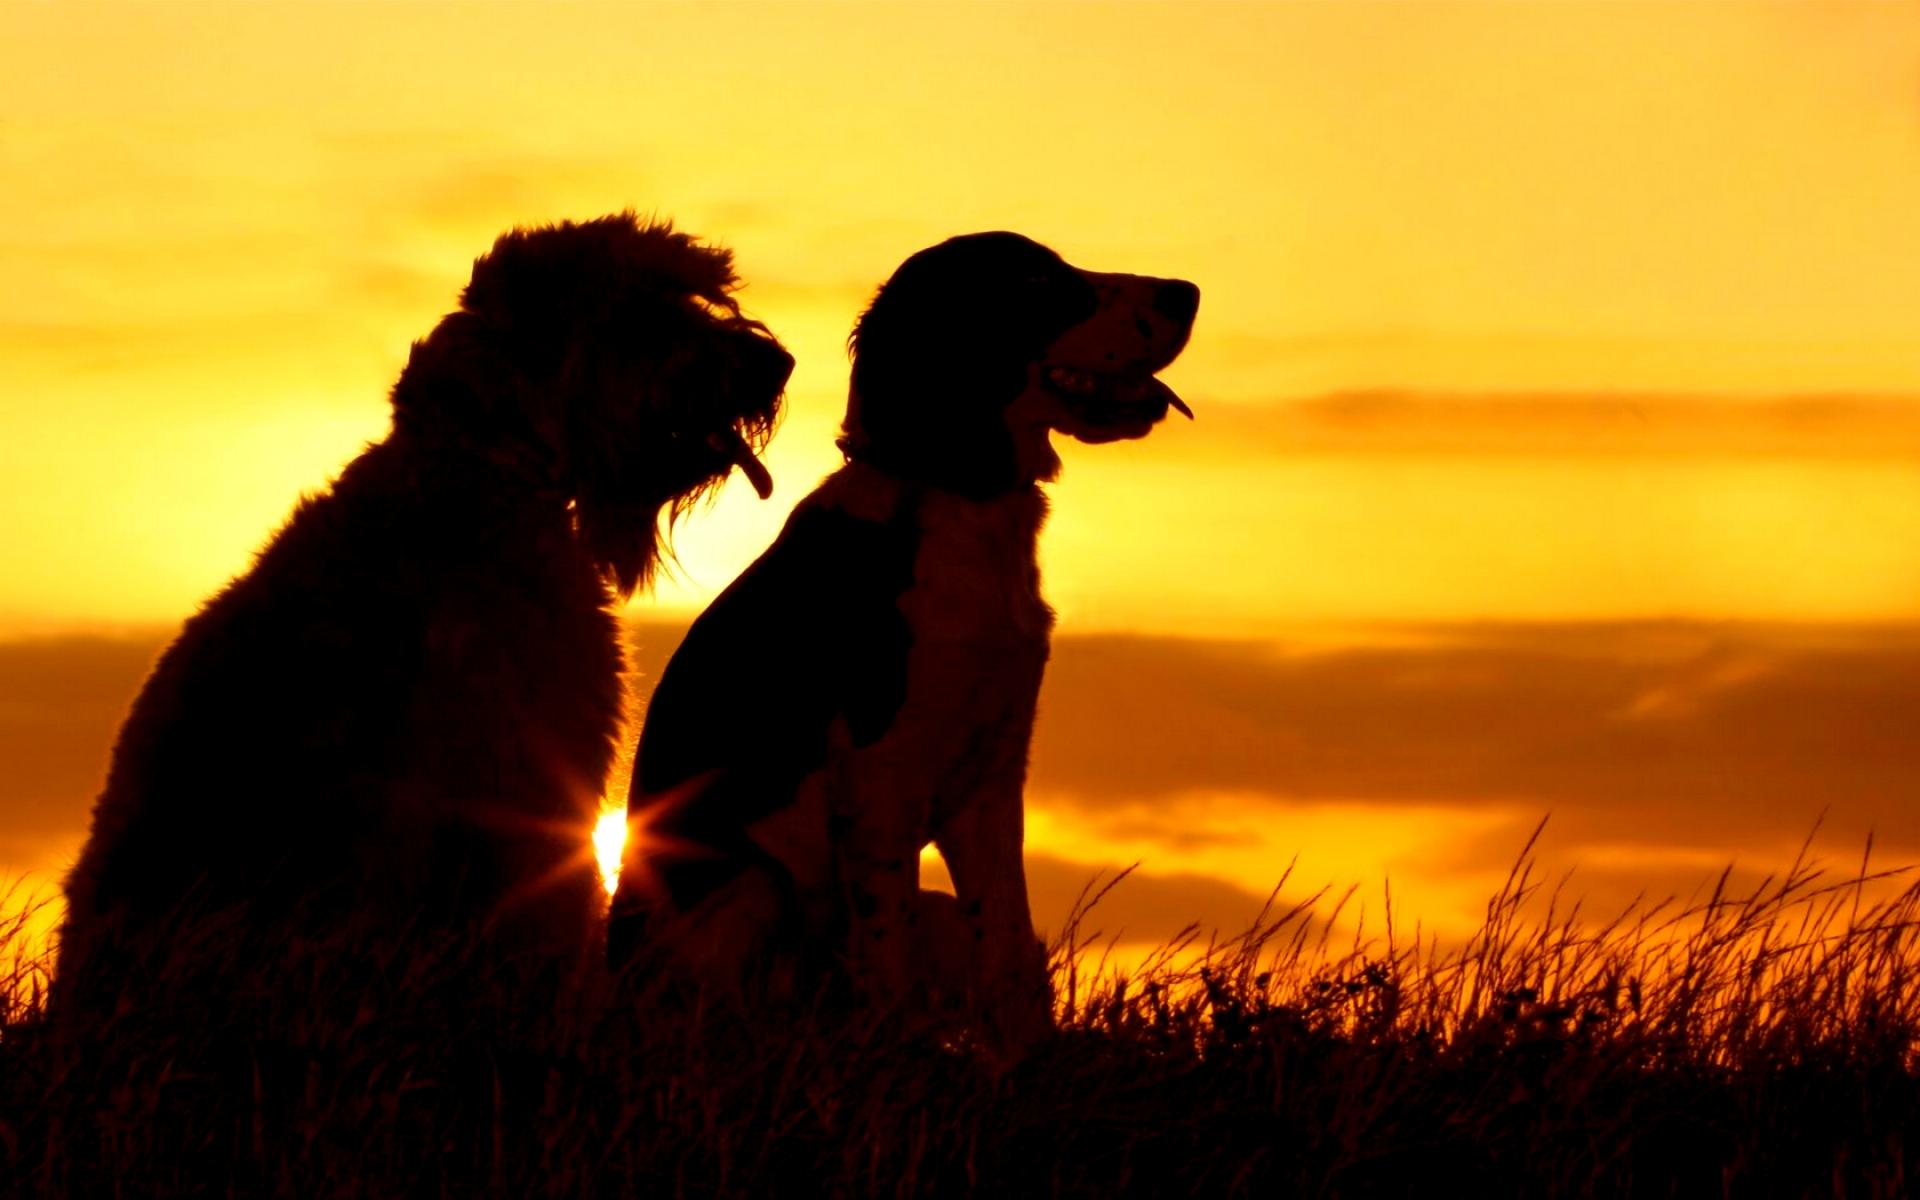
(981, 843)
(882, 822)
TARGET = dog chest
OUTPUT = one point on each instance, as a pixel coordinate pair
(976, 580)
(978, 632)
(976, 647)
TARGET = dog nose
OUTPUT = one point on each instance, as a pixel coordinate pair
(1177, 300)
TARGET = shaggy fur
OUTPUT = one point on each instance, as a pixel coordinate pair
(402, 715)
(868, 685)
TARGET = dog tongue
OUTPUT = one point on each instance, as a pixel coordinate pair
(756, 473)
(735, 448)
(1150, 390)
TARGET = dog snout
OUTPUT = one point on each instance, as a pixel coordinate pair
(1177, 301)
(768, 366)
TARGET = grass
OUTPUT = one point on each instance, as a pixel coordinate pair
(1760, 1044)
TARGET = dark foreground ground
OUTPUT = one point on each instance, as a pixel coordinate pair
(1750, 1046)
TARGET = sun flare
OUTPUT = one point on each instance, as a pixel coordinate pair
(609, 841)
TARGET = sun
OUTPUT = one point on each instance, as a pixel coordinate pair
(609, 841)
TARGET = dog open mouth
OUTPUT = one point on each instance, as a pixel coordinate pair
(1108, 406)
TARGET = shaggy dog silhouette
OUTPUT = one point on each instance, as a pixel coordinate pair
(402, 715)
(868, 685)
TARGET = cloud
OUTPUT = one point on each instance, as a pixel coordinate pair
(1146, 906)
(1689, 733)
(1662, 750)
(61, 700)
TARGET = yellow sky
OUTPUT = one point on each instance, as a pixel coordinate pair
(224, 224)
(220, 227)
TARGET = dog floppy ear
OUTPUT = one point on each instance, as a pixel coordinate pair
(943, 350)
(459, 390)
(483, 376)
(540, 288)
(531, 289)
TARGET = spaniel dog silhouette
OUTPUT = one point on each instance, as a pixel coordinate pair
(867, 686)
(406, 709)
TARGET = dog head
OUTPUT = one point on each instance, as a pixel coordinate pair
(606, 359)
(980, 346)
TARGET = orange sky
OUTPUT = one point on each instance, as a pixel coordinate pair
(1500, 300)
